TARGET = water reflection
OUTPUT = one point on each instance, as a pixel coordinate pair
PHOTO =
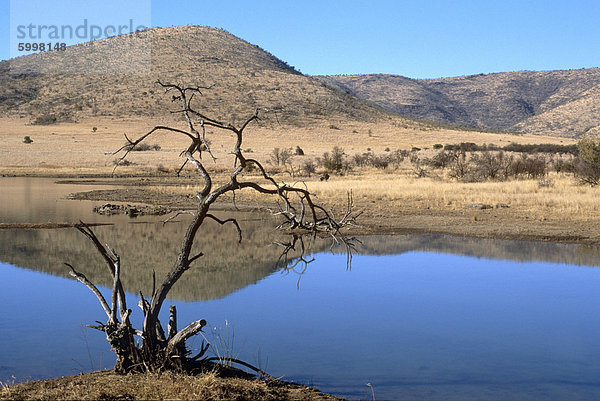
(419, 317)
(228, 266)
(418, 325)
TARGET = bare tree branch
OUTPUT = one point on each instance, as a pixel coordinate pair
(296, 205)
(81, 278)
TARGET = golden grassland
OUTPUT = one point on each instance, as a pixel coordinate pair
(74, 148)
(393, 201)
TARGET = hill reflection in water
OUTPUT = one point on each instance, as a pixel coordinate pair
(228, 265)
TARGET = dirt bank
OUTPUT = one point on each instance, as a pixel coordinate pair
(383, 215)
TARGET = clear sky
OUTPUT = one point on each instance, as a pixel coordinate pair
(418, 39)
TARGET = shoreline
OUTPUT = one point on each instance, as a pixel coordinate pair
(379, 217)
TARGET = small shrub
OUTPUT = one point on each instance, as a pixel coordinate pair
(587, 165)
(459, 165)
(250, 167)
(440, 160)
(94, 129)
(417, 166)
(362, 160)
(27, 139)
(397, 157)
(299, 151)
(380, 162)
(45, 119)
(281, 156)
(335, 160)
(308, 167)
(333, 126)
(142, 147)
(438, 146)
(124, 162)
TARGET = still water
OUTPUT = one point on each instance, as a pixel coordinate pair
(416, 317)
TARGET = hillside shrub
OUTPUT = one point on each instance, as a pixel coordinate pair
(587, 164)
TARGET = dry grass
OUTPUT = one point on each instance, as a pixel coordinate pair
(564, 197)
(73, 148)
(166, 386)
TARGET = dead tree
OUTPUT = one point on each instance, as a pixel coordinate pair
(160, 350)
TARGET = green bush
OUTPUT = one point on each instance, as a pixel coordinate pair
(587, 165)
(335, 160)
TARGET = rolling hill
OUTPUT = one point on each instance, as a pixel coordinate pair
(105, 78)
(559, 103)
(116, 77)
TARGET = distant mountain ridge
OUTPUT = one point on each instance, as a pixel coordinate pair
(561, 103)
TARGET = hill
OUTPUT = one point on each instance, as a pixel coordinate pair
(105, 78)
(558, 103)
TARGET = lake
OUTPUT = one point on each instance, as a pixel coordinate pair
(416, 316)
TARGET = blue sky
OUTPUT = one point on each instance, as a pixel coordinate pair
(418, 39)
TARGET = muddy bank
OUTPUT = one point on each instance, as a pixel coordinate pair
(383, 218)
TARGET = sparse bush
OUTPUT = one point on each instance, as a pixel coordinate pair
(440, 160)
(299, 151)
(487, 165)
(542, 148)
(142, 147)
(250, 166)
(362, 160)
(564, 166)
(587, 165)
(438, 146)
(463, 146)
(417, 165)
(335, 160)
(380, 162)
(308, 167)
(459, 165)
(94, 129)
(333, 126)
(45, 119)
(530, 166)
(123, 162)
(27, 139)
(281, 156)
(397, 157)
